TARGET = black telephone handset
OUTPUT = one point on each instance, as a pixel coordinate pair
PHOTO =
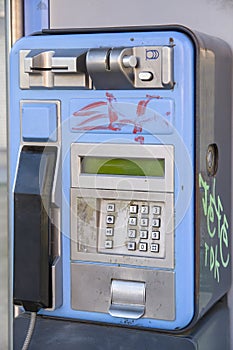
(32, 205)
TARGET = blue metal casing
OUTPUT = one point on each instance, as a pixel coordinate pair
(177, 126)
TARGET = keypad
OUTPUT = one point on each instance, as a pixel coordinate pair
(144, 235)
(133, 228)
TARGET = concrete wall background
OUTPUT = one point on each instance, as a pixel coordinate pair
(210, 16)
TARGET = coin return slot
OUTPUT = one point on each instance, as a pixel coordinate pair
(127, 299)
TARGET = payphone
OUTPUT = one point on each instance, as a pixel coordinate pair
(120, 175)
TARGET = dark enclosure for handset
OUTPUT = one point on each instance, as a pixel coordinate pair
(32, 227)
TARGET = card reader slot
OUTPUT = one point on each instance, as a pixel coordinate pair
(128, 299)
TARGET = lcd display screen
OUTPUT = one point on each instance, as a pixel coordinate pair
(123, 166)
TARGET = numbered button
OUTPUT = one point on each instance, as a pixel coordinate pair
(110, 219)
(110, 207)
(108, 244)
(155, 235)
(131, 245)
(133, 209)
(154, 248)
(144, 234)
(156, 210)
(109, 231)
(144, 222)
(132, 233)
(143, 247)
(145, 209)
(156, 222)
(132, 221)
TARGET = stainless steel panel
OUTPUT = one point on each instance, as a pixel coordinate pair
(87, 230)
(108, 68)
(91, 288)
(121, 68)
(53, 68)
(157, 60)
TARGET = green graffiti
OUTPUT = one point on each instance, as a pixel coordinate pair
(217, 250)
(224, 240)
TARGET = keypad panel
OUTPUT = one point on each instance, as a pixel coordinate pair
(132, 228)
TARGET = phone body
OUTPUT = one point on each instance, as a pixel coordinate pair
(141, 122)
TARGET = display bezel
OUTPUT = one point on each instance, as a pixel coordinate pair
(132, 151)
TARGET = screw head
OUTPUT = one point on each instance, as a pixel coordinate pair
(212, 159)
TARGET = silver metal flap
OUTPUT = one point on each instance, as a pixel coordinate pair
(53, 68)
(127, 299)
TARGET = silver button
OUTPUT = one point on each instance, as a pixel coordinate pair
(133, 209)
(144, 234)
(109, 231)
(144, 222)
(155, 235)
(132, 233)
(133, 221)
(145, 76)
(108, 244)
(145, 209)
(131, 245)
(156, 222)
(110, 207)
(154, 247)
(130, 61)
(143, 247)
(156, 210)
(110, 219)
